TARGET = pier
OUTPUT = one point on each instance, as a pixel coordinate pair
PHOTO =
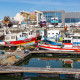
(53, 52)
(19, 69)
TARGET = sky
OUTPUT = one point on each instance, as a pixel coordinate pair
(12, 7)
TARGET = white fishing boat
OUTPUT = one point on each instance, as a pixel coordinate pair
(22, 38)
(67, 45)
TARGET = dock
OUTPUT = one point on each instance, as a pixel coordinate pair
(53, 52)
(19, 69)
(13, 30)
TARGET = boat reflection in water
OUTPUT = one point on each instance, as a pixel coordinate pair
(51, 62)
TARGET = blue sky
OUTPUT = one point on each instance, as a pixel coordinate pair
(11, 7)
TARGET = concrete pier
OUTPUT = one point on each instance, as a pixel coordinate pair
(53, 52)
(20, 69)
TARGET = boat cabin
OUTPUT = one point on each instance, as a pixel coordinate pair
(76, 39)
(10, 37)
(43, 22)
(53, 33)
(54, 20)
(67, 42)
(19, 36)
(50, 33)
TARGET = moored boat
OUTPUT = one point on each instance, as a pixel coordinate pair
(43, 22)
(23, 38)
(28, 41)
(57, 48)
(67, 45)
(54, 21)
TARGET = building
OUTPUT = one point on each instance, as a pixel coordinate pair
(59, 13)
(63, 16)
(72, 17)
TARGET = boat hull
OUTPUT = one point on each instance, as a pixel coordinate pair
(57, 48)
(43, 23)
(52, 42)
(29, 41)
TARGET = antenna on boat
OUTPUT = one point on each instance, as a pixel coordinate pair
(54, 16)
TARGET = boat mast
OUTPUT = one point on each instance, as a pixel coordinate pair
(54, 16)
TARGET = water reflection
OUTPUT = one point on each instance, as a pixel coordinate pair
(49, 61)
(52, 62)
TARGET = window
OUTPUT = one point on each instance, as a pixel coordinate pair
(49, 33)
(49, 15)
(7, 38)
(66, 41)
(75, 37)
(12, 37)
(67, 20)
(20, 35)
(29, 33)
(69, 41)
(78, 37)
(24, 35)
(72, 20)
(63, 41)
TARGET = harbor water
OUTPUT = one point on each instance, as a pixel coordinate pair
(52, 61)
(47, 61)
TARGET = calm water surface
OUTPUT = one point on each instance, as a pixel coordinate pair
(44, 61)
(53, 62)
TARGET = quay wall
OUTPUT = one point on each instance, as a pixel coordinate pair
(17, 30)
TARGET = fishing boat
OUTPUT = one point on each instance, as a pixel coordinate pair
(43, 22)
(22, 38)
(51, 34)
(54, 21)
(67, 45)
(29, 41)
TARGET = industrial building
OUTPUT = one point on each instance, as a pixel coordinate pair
(63, 16)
